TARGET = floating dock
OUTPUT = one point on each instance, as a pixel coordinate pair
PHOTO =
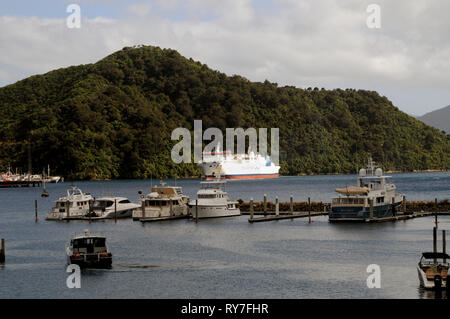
(10, 184)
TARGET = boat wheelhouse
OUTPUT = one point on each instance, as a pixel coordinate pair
(75, 205)
(374, 197)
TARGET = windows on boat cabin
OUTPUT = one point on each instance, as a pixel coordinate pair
(90, 244)
(157, 203)
(356, 201)
(348, 201)
(72, 204)
(211, 196)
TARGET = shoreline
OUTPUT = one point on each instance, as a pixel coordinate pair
(298, 174)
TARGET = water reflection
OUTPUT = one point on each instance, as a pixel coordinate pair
(431, 294)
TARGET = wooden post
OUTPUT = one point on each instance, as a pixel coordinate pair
(35, 211)
(90, 211)
(277, 207)
(371, 208)
(2, 251)
(291, 205)
(435, 213)
(434, 241)
(444, 244)
(67, 209)
(309, 210)
(251, 208)
(171, 208)
(143, 208)
(115, 210)
(265, 204)
(404, 204)
(196, 211)
(393, 207)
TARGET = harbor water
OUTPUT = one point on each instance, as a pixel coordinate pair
(225, 257)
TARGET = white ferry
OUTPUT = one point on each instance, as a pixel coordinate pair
(240, 166)
(373, 197)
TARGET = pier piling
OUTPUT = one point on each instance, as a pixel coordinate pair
(251, 209)
(277, 207)
(115, 210)
(435, 241)
(35, 211)
(291, 205)
(371, 208)
(444, 244)
(68, 209)
(265, 204)
(143, 208)
(196, 211)
(2, 251)
(309, 210)
(90, 211)
(404, 204)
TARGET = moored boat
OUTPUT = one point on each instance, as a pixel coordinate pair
(374, 197)
(213, 201)
(75, 205)
(109, 207)
(162, 202)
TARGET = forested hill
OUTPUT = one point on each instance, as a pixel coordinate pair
(113, 119)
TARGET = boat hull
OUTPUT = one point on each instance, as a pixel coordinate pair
(214, 212)
(244, 176)
(91, 261)
(361, 214)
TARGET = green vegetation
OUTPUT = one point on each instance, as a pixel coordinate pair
(113, 119)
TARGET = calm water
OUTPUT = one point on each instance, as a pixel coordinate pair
(222, 258)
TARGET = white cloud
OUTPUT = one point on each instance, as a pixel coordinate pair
(322, 43)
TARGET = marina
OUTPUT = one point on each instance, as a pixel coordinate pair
(291, 258)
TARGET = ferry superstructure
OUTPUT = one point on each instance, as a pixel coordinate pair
(239, 166)
(373, 197)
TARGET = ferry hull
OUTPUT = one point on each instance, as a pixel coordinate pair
(361, 214)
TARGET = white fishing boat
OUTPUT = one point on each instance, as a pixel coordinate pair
(75, 205)
(213, 201)
(162, 202)
(109, 207)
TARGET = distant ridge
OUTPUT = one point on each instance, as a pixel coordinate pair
(439, 119)
(114, 118)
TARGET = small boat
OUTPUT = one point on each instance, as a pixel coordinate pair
(163, 202)
(75, 205)
(433, 266)
(88, 250)
(433, 270)
(374, 197)
(213, 201)
(108, 207)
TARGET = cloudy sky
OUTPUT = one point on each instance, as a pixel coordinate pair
(323, 43)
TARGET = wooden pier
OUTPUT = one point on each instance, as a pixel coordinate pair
(309, 210)
(10, 184)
